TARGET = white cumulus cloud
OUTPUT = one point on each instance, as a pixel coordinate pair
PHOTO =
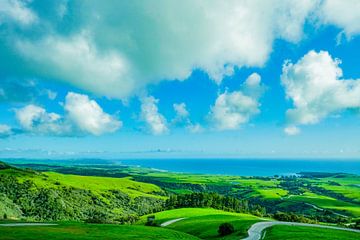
(181, 114)
(115, 49)
(36, 119)
(344, 14)
(180, 110)
(156, 123)
(5, 130)
(88, 116)
(123, 47)
(67, 59)
(291, 130)
(83, 116)
(316, 87)
(182, 118)
(232, 109)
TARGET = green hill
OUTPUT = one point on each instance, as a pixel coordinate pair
(301, 233)
(204, 222)
(78, 231)
(53, 196)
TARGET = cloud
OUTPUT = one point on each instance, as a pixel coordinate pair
(116, 49)
(182, 118)
(156, 123)
(181, 114)
(316, 88)
(291, 130)
(180, 110)
(82, 116)
(88, 116)
(16, 10)
(67, 59)
(50, 94)
(343, 14)
(37, 120)
(232, 109)
(5, 131)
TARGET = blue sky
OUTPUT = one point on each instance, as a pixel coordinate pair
(168, 79)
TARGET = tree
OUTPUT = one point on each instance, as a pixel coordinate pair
(226, 229)
(150, 221)
(357, 224)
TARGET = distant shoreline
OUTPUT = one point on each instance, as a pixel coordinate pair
(236, 167)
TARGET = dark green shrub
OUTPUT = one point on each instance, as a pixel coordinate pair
(226, 229)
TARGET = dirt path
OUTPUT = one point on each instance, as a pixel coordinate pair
(26, 224)
(167, 223)
(256, 229)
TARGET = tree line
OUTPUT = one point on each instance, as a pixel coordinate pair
(214, 200)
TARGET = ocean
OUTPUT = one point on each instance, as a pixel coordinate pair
(247, 167)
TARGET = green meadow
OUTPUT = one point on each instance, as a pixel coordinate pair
(326, 202)
(78, 231)
(205, 224)
(302, 233)
(95, 184)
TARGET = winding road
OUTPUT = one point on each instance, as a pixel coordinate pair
(255, 232)
(167, 223)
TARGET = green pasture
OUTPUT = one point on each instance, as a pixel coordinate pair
(78, 231)
(97, 185)
(302, 233)
(327, 203)
(204, 222)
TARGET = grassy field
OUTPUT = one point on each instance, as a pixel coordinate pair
(255, 187)
(349, 186)
(77, 231)
(301, 233)
(272, 193)
(97, 185)
(204, 223)
(327, 203)
(212, 179)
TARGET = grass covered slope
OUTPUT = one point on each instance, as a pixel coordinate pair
(204, 222)
(53, 196)
(97, 185)
(301, 233)
(77, 231)
(347, 185)
(326, 202)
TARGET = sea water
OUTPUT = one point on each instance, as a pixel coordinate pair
(248, 167)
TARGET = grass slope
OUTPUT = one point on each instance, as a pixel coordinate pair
(301, 233)
(76, 231)
(349, 185)
(98, 185)
(327, 203)
(204, 222)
